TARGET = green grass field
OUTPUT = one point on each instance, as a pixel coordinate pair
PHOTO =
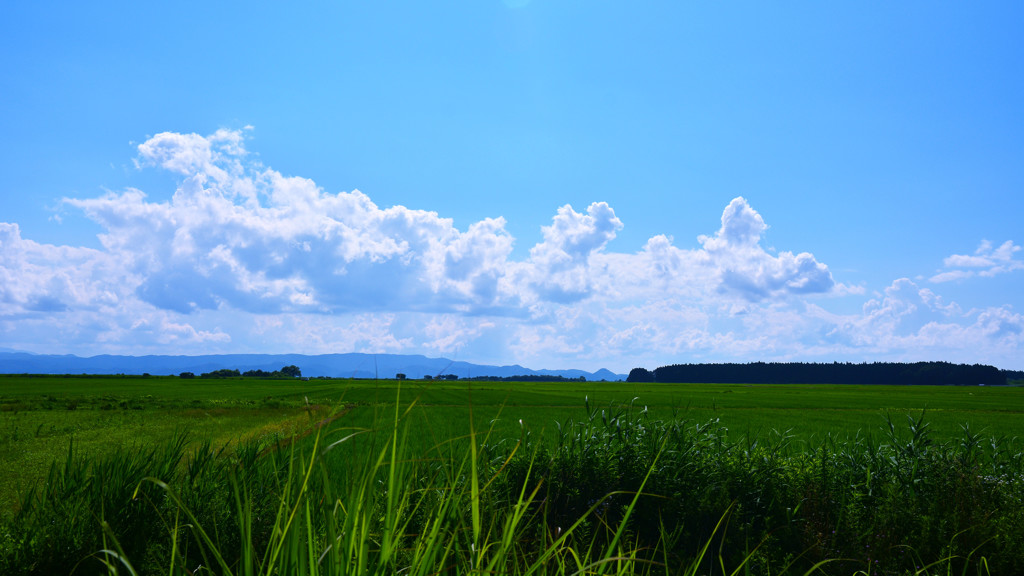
(805, 474)
(40, 415)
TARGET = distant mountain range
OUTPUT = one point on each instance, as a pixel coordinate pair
(333, 365)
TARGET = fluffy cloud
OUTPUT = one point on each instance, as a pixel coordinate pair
(238, 235)
(560, 268)
(257, 241)
(61, 298)
(743, 267)
(37, 279)
(244, 258)
(986, 261)
(192, 154)
(906, 322)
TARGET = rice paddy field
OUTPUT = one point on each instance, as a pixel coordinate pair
(148, 475)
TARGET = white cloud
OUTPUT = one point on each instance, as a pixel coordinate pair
(987, 261)
(560, 268)
(448, 334)
(258, 241)
(239, 235)
(741, 229)
(243, 258)
(192, 154)
(744, 268)
(910, 323)
(42, 279)
(67, 299)
(366, 332)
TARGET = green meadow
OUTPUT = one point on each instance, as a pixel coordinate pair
(260, 476)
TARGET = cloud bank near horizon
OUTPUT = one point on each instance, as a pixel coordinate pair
(243, 258)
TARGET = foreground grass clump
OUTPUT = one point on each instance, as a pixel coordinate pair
(617, 492)
(896, 504)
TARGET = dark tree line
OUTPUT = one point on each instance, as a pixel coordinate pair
(285, 372)
(934, 373)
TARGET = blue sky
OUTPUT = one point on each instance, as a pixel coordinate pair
(558, 184)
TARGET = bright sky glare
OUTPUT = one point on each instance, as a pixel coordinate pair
(559, 184)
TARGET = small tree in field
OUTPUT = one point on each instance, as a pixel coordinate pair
(292, 371)
(400, 376)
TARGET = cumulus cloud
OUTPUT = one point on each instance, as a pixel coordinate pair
(252, 239)
(239, 235)
(41, 278)
(244, 258)
(63, 299)
(560, 267)
(216, 156)
(987, 261)
(743, 267)
(907, 322)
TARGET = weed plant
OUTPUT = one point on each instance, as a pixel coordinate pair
(619, 492)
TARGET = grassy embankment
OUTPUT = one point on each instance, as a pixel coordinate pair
(888, 498)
